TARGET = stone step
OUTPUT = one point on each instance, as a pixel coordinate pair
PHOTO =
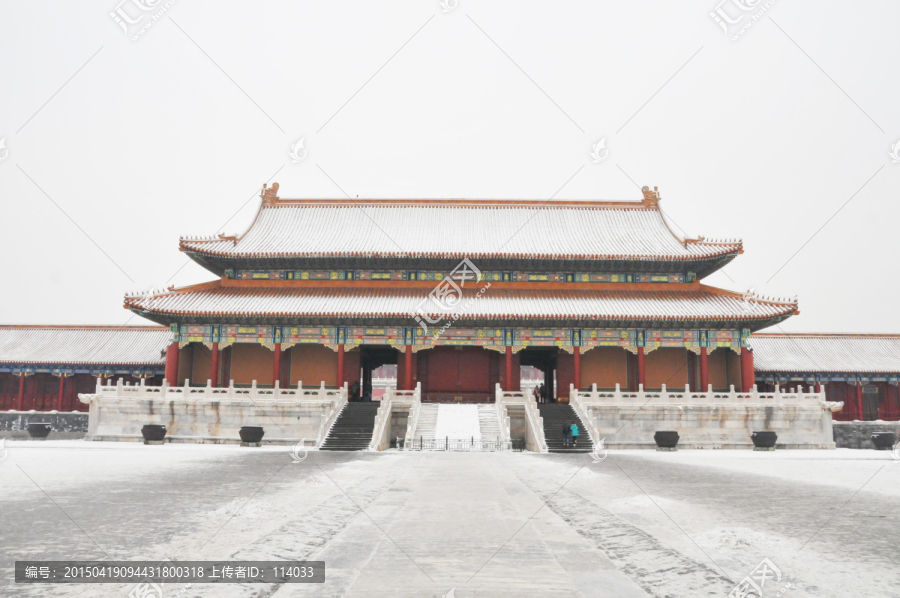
(488, 421)
(352, 431)
(554, 416)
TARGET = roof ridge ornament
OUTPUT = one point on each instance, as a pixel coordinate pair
(232, 237)
(269, 194)
(651, 198)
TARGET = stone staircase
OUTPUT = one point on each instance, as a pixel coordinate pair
(427, 423)
(352, 431)
(488, 421)
(555, 415)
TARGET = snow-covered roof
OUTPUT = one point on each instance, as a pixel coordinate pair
(235, 299)
(88, 345)
(622, 230)
(872, 353)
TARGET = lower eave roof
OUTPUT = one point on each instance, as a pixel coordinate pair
(689, 303)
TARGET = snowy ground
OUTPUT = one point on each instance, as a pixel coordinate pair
(639, 523)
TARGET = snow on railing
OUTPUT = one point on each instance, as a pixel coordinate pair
(577, 402)
(336, 408)
(525, 398)
(594, 397)
(122, 390)
(381, 430)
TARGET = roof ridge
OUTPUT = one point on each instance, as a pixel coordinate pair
(828, 334)
(81, 327)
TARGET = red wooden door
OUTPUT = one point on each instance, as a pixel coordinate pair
(474, 370)
(443, 369)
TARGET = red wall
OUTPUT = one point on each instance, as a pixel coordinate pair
(42, 390)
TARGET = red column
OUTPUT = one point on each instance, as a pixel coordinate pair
(704, 369)
(896, 402)
(21, 392)
(340, 367)
(747, 373)
(630, 371)
(859, 403)
(214, 365)
(276, 374)
(172, 364)
(577, 355)
(640, 366)
(59, 399)
(509, 368)
(407, 374)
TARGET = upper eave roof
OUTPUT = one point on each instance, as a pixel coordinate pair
(807, 352)
(453, 229)
(87, 345)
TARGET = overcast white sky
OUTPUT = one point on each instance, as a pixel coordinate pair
(118, 146)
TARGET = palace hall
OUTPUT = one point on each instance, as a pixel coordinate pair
(460, 295)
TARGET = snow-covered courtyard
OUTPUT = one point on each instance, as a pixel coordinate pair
(637, 523)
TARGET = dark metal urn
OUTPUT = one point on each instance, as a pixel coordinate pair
(884, 441)
(666, 440)
(38, 431)
(251, 435)
(154, 433)
(764, 441)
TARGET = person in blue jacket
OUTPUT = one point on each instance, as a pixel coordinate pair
(574, 428)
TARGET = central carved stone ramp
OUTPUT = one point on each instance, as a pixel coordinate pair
(457, 422)
(554, 416)
(352, 431)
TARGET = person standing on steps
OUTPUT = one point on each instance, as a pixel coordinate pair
(574, 432)
(566, 432)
